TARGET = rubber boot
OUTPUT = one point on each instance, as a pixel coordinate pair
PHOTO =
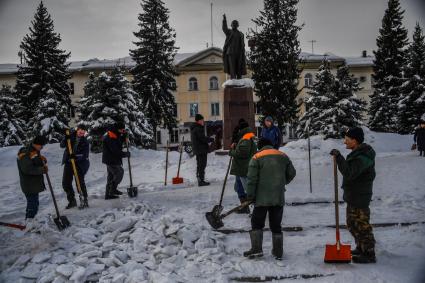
(365, 257)
(116, 192)
(71, 203)
(244, 210)
(256, 244)
(277, 250)
(108, 194)
(202, 183)
(356, 251)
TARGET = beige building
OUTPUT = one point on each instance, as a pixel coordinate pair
(199, 83)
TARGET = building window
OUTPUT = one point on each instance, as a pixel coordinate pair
(257, 108)
(174, 136)
(193, 109)
(193, 84)
(158, 137)
(213, 83)
(363, 79)
(308, 80)
(71, 112)
(175, 112)
(173, 85)
(72, 89)
(215, 109)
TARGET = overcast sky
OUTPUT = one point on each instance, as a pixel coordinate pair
(103, 28)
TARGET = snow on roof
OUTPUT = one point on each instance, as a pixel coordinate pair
(319, 57)
(359, 61)
(8, 68)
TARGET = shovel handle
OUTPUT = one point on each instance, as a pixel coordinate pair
(53, 194)
(180, 157)
(225, 180)
(336, 198)
(74, 167)
(166, 163)
(239, 207)
(129, 163)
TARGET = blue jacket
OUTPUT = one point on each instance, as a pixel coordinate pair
(81, 152)
(273, 134)
(113, 148)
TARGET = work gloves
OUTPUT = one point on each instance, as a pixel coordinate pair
(126, 154)
(335, 152)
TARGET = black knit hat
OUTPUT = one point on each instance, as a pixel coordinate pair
(40, 140)
(356, 133)
(199, 117)
(243, 124)
(264, 142)
(82, 127)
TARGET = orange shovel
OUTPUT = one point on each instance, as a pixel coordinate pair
(337, 253)
(178, 179)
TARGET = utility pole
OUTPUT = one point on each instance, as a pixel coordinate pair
(312, 45)
(212, 39)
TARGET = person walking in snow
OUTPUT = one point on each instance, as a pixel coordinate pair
(358, 172)
(242, 153)
(419, 138)
(271, 132)
(200, 146)
(80, 153)
(31, 166)
(269, 171)
(112, 156)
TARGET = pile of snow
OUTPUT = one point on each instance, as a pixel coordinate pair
(246, 82)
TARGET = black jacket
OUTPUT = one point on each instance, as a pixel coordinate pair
(112, 148)
(419, 138)
(81, 151)
(30, 166)
(358, 172)
(199, 139)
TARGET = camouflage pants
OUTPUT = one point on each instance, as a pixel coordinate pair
(359, 226)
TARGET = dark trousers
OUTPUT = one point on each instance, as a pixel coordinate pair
(201, 164)
(32, 205)
(115, 175)
(360, 228)
(259, 214)
(421, 152)
(68, 176)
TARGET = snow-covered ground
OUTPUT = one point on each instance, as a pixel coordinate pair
(162, 236)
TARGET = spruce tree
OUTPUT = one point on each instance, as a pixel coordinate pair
(109, 99)
(350, 108)
(154, 71)
(412, 105)
(42, 80)
(274, 59)
(390, 59)
(12, 128)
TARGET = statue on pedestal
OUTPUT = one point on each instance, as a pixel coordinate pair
(234, 50)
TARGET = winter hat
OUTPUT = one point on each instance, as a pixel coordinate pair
(82, 127)
(264, 142)
(356, 133)
(243, 124)
(40, 140)
(199, 117)
(269, 118)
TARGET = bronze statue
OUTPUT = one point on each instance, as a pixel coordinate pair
(234, 50)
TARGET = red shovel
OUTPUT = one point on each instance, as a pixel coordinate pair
(337, 253)
(178, 179)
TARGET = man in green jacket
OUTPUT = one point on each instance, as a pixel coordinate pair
(270, 170)
(242, 154)
(32, 166)
(358, 172)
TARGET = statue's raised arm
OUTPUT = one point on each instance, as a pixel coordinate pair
(224, 26)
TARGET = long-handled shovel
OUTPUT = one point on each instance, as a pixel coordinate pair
(217, 209)
(132, 190)
(309, 154)
(13, 225)
(337, 253)
(61, 221)
(166, 162)
(216, 221)
(83, 200)
(178, 179)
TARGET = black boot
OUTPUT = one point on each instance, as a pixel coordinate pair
(256, 244)
(356, 251)
(368, 257)
(71, 203)
(116, 192)
(108, 193)
(244, 210)
(277, 251)
(202, 183)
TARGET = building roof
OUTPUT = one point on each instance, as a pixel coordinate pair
(183, 59)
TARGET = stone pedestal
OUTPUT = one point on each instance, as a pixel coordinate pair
(238, 103)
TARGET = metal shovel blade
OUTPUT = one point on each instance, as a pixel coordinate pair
(132, 192)
(62, 222)
(337, 253)
(213, 220)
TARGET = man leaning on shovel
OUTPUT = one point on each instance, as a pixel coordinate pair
(269, 171)
(358, 172)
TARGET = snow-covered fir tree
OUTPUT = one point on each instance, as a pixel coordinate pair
(274, 59)
(350, 108)
(109, 99)
(390, 59)
(154, 71)
(12, 128)
(412, 105)
(320, 108)
(42, 79)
